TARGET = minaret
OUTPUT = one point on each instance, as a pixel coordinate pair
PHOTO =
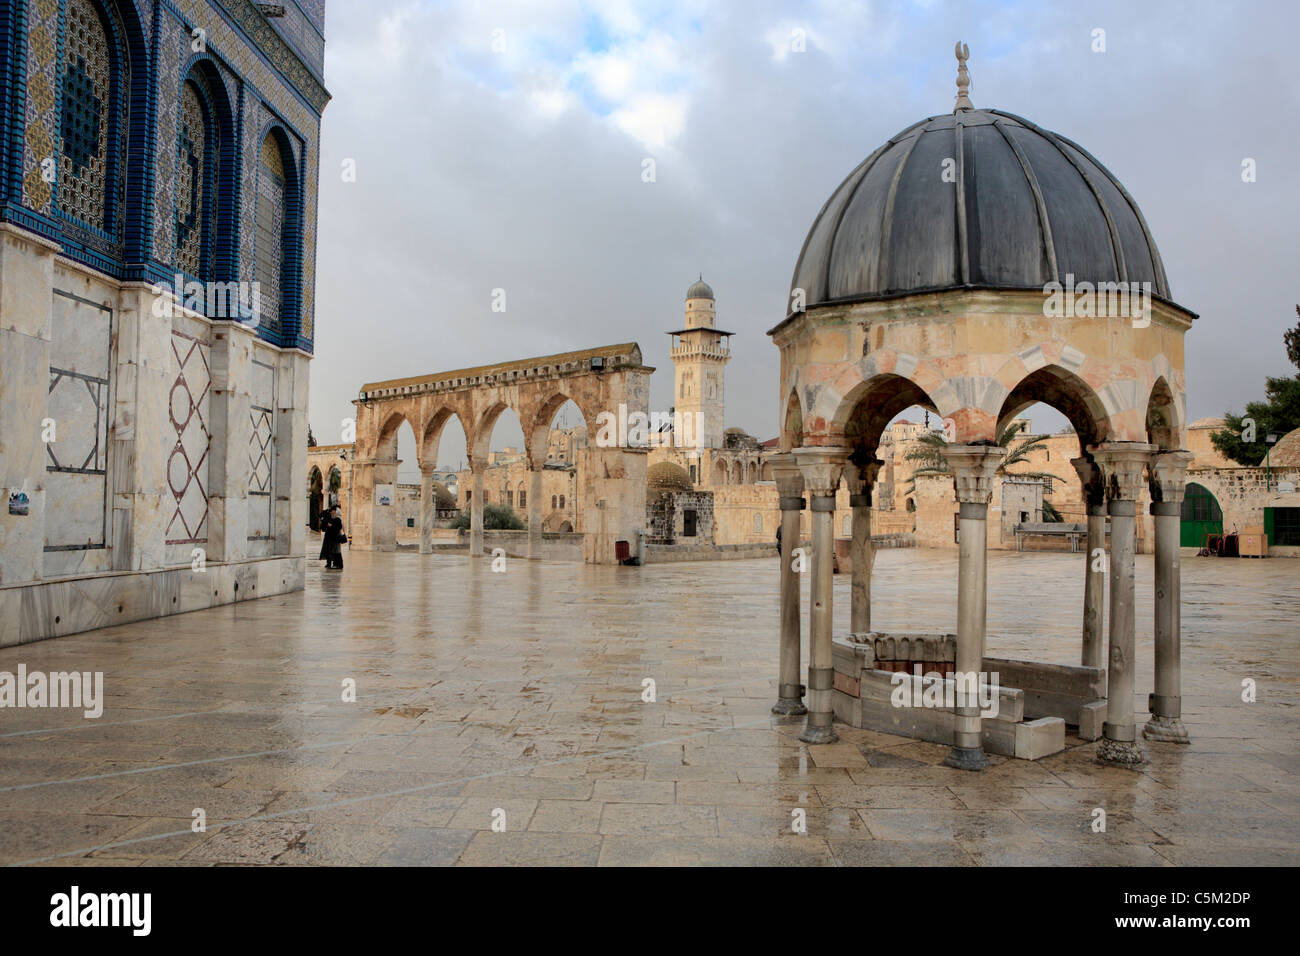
(700, 353)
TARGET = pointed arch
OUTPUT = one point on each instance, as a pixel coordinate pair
(1063, 390)
(1162, 421)
(277, 262)
(867, 409)
(206, 175)
(792, 423)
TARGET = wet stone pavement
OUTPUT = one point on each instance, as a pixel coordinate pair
(516, 698)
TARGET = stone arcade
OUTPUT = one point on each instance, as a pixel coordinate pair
(959, 326)
(596, 380)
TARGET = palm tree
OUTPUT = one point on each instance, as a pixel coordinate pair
(928, 451)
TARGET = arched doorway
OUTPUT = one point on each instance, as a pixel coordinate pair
(315, 498)
(1201, 516)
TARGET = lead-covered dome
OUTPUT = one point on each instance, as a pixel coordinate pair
(700, 290)
(975, 199)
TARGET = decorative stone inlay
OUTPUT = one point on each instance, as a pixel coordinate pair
(187, 466)
(259, 451)
(973, 470)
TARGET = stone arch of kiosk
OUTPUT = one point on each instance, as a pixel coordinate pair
(609, 379)
(1045, 287)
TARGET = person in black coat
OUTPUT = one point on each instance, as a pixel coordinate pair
(337, 539)
(326, 526)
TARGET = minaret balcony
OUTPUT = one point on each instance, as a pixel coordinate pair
(700, 351)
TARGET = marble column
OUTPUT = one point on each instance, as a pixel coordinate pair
(1168, 479)
(973, 470)
(860, 477)
(821, 469)
(535, 513)
(789, 484)
(476, 514)
(1094, 573)
(1123, 465)
(428, 507)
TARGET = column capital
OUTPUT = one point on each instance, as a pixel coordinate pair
(973, 468)
(821, 467)
(860, 476)
(785, 471)
(1123, 466)
(1169, 475)
(426, 471)
(1094, 489)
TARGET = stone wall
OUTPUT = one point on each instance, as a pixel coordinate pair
(1241, 493)
(140, 439)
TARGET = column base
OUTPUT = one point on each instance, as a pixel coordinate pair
(819, 735)
(789, 707)
(1121, 753)
(1168, 730)
(963, 758)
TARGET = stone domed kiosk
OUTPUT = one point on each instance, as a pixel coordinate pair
(976, 264)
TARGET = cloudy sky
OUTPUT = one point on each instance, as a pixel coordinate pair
(501, 145)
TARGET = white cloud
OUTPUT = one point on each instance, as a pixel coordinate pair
(653, 119)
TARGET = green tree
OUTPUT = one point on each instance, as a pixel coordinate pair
(928, 451)
(1279, 413)
(495, 518)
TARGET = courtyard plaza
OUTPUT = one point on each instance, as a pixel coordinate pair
(517, 698)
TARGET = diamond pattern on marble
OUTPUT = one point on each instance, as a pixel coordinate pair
(260, 451)
(187, 465)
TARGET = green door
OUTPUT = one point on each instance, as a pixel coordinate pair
(1201, 516)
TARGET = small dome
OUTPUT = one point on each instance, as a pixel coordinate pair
(979, 199)
(700, 290)
(665, 476)
(1286, 453)
(1208, 423)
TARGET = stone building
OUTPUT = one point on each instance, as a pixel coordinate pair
(676, 511)
(158, 212)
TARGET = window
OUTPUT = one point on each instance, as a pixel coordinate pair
(1286, 526)
(692, 474)
(555, 501)
(196, 167)
(523, 499)
(410, 522)
(94, 120)
(270, 231)
(561, 501)
(688, 523)
(1200, 505)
